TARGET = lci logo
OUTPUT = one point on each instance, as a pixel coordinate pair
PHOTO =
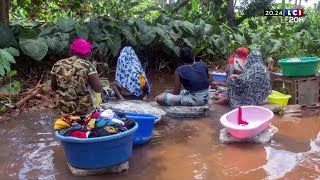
(294, 12)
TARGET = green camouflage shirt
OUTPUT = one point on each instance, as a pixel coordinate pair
(72, 78)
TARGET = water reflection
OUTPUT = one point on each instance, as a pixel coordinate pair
(281, 162)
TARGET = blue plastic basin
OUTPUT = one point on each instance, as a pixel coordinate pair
(144, 132)
(218, 77)
(99, 152)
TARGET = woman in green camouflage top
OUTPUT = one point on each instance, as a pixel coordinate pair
(72, 76)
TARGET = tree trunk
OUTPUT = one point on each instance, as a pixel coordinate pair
(299, 3)
(230, 9)
(295, 3)
(4, 11)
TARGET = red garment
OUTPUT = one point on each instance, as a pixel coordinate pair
(78, 134)
(94, 115)
(241, 53)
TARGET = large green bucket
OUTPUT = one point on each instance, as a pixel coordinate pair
(306, 67)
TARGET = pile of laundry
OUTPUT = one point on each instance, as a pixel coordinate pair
(218, 91)
(96, 124)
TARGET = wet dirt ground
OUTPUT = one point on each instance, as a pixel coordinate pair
(179, 149)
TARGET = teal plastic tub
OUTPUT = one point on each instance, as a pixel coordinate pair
(306, 66)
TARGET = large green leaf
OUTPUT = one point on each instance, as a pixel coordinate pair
(66, 25)
(58, 42)
(218, 43)
(103, 49)
(147, 38)
(6, 56)
(191, 41)
(142, 25)
(127, 31)
(5, 59)
(254, 47)
(169, 43)
(162, 33)
(46, 31)
(115, 44)
(225, 40)
(208, 29)
(6, 37)
(174, 35)
(12, 51)
(13, 88)
(255, 37)
(2, 71)
(176, 50)
(12, 73)
(82, 31)
(241, 40)
(188, 26)
(276, 45)
(33, 46)
(176, 24)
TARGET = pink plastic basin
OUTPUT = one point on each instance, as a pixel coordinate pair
(257, 117)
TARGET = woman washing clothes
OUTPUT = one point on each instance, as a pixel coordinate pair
(72, 76)
(235, 66)
(131, 80)
(253, 86)
(194, 77)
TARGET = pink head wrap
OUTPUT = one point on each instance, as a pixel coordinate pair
(81, 47)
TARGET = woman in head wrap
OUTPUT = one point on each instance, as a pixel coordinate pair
(237, 61)
(131, 80)
(253, 86)
(235, 66)
(72, 76)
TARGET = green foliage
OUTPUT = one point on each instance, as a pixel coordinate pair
(157, 36)
(7, 39)
(13, 88)
(32, 45)
(57, 43)
(6, 58)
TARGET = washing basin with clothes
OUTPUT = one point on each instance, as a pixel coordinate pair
(257, 117)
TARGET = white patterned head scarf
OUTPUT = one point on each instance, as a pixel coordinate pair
(127, 72)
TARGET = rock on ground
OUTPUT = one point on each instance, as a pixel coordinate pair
(134, 106)
(262, 138)
(109, 170)
(184, 111)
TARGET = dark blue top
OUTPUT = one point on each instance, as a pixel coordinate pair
(195, 77)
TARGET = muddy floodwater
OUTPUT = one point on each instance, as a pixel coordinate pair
(179, 149)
